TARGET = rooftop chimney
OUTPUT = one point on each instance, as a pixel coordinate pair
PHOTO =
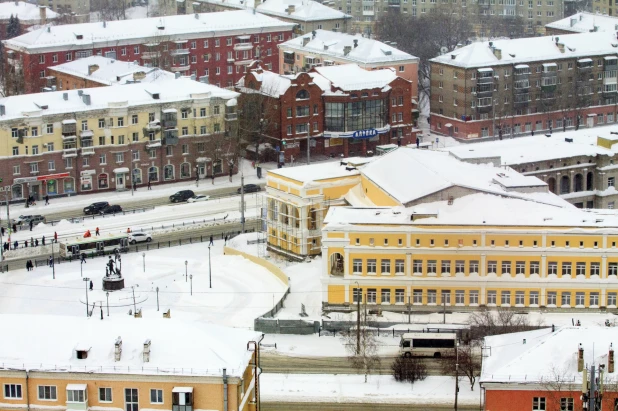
(355, 43)
(2, 110)
(92, 68)
(305, 41)
(580, 358)
(313, 34)
(65, 96)
(346, 50)
(610, 359)
(86, 98)
(573, 21)
(139, 75)
(497, 53)
(43, 14)
(117, 349)
(560, 47)
(146, 353)
(177, 74)
(291, 9)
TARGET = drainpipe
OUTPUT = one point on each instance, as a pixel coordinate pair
(224, 390)
(27, 396)
(257, 369)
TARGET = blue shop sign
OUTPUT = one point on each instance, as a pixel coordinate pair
(370, 132)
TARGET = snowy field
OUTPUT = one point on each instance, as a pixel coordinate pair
(240, 289)
(348, 388)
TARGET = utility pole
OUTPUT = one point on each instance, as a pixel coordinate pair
(86, 280)
(456, 373)
(242, 201)
(409, 310)
(132, 176)
(157, 298)
(308, 144)
(134, 306)
(358, 321)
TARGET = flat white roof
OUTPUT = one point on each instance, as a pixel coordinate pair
(314, 172)
(350, 77)
(330, 43)
(304, 10)
(584, 22)
(48, 342)
(76, 387)
(137, 30)
(169, 90)
(533, 49)
(182, 389)
(27, 12)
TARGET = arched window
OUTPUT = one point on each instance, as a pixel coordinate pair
(336, 264)
(153, 174)
(589, 182)
(284, 214)
(579, 182)
(565, 185)
(103, 181)
(137, 176)
(168, 172)
(302, 95)
(185, 170)
(551, 182)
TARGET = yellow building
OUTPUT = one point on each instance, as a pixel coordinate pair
(130, 364)
(117, 137)
(420, 228)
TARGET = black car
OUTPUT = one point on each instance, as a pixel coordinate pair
(95, 208)
(111, 209)
(182, 195)
(250, 188)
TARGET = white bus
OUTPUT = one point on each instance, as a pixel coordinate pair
(428, 344)
(97, 245)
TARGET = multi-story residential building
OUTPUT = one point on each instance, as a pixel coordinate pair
(326, 48)
(98, 71)
(512, 87)
(533, 13)
(84, 141)
(343, 109)
(30, 15)
(577, 165)
(582, 22)
(79, 10)
(454, 234)
(126, 363)
(216, 46)
(308, 15)
(549, 369)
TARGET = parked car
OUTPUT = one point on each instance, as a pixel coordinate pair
(139, 238)
(250, 188)
(111, 209)
(95, 208)
(25, 219)
(197, 198)
(182, 195)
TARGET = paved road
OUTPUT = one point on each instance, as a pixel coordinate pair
(283, 364)
(320, 406)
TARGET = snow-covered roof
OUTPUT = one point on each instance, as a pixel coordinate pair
(316, 172)
(304, 10)
(427, 172)
(49, 343)
(27, 12)
(538, 148)
(136, 31)
(168, 91)
(534, 356)
(330, 43)
(532, 49)
(273, 84)
(110, 71)
(585, 22)
(350, 77)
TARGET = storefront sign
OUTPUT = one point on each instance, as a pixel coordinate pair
(371, 132)
(40, 178)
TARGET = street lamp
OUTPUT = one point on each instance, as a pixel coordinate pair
(144, 258)
(191, 278)
(209, 269)
(81, 266)
(157, 298)
(53, 262)
(86, 280)
(186, 262)
(107, 295)
(132, 176)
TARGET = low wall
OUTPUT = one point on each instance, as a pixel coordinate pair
(276, 271)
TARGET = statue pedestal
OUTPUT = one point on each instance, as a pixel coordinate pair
(114, 283)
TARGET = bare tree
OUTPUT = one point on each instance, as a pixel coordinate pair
(467, 362)
(486, 322)
(109, 10)
(362, 346)
(409, 369)
(559, 387)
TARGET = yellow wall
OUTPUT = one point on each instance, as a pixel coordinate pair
(376, 194)
(274, 270)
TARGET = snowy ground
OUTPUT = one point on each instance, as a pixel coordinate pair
(241, 290)
(346, 388)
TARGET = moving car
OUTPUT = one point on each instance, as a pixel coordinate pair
(139, 238)
(25, 219)
(197, 198)
(182, 195)
(95, 208)
(111, 209)
(250, 188)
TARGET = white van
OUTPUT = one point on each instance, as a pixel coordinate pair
(428, 344)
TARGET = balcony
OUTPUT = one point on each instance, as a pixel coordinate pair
(485, 80)
(150, 55)
(231, 116)
(181, 68)
(153, 126)
(368, 13)
(170, 123)
(69, 129)
(243, 46)
(87, 151)
(154, 143)
(179, 52)
(69, 152)
(243, 62)
(86, 133)
(484, 93)
(548, 88)
(483, 109)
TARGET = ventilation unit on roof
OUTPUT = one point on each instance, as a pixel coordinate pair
(2, 110)
(79, 36)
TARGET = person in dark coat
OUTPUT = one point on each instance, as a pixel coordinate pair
(36, 242)
(46, 199)
(91, 285)
(43, 240)
(15, 245)
(14, 228)
(2, 231)
(211, 241)
(51, 261)
(55, 237)
(83, 257)
(28, 265)
(25, 243)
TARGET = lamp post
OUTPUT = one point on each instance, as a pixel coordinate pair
(209, 269)
(81, 266)
(157, 298)
(86, 280)
(107, 295)
(186, 262)
(53, 262)
(191, 278)
(132, 176)
(144, 259)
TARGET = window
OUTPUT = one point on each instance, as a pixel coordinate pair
(371, 295)
(385, 266)
(16, 169)
(357, 266)
(505, 298)
(431, 266)
(417, 266)
(534, 267)
(49, 128)
(431, 296)
(473, 267)
(102, 159)
(76, 396)
(131, 399)
(446, 267)
(506, 268)
(119, 157)
(460, 297)
(566, 269)
(135, 49)
(371, 266)
(47, 392)
(474, 297)
(594, 299)
(612, 269)
(552, 268)
(120, 121)
(34, 167)
(611, 182)
(135, 137)
(156, 396)
(492, 267)
(134, 119)
(12, 391)
(533, 298)
(566, 298)
(579, 298)
(595, 268)
(538, 404)
(491, 297)
(417, 296)
(519, 297)
(611, 299)
(101, 123)
(566, 404)
(520, 267)
(68, 162)
(169, 151)
(35, 150)
(400, 295)
(385, 297)
(135, 155)
(580, 269)
(460, 267)
(446, 296)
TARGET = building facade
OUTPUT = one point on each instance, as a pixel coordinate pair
(216, 46)
(78, 9)
(129, 368)
(344, 110)
(30, 15)
(582, 22)
(513, 87)
(116, 138)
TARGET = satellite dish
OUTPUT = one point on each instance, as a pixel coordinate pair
(444, 50)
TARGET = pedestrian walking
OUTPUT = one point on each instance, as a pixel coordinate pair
(14, 227)
(2, 231)
(83, 257)
(28, 265)
(213, 178)
(225, 243)
(51, 261)
(149, 188)
(36, 242)
(25, 243)
(31, 241)
(43, 240)
(15, 245)
(46, 199)
(31, 224)
(91, 285)
(55, 237)
(96, 232)
(211, 241)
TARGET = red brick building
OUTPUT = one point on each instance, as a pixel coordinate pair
(213, 45)
(29, 15)
(345, 110)
(549, 369)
